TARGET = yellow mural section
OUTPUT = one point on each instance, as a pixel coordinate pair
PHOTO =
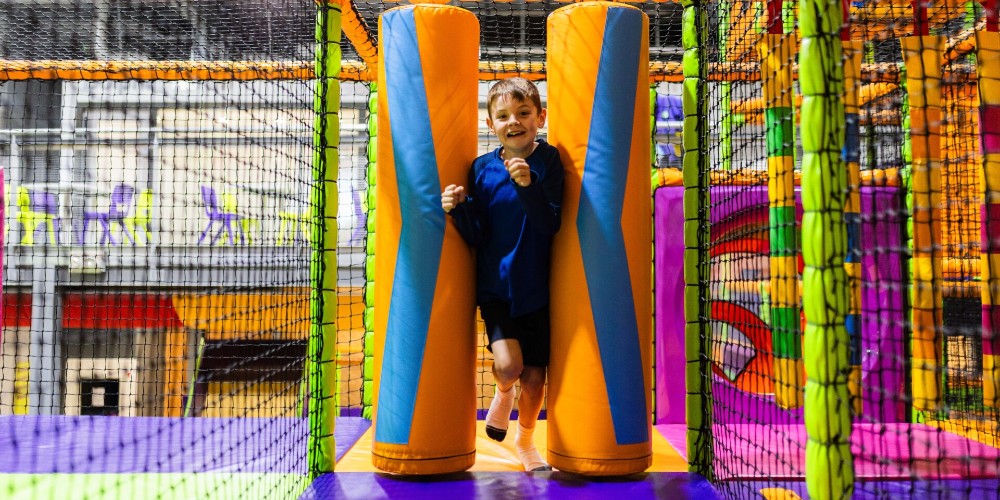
(271, 316)
(280, 316)
(252, 399)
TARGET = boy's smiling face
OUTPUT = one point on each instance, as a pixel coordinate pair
(516, 124)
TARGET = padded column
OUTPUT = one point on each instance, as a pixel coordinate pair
(599, 406)
(424, 312)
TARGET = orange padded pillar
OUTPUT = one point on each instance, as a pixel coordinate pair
(424, 314)
(599, 408)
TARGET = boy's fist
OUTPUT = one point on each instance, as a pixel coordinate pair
(451, 197)
(519, 171)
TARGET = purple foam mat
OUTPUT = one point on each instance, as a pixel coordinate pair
(881, 451)
(945, 489)
(347, 432)
(118, 445)
(369, 485)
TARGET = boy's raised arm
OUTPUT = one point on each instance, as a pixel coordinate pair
(542, 200)
(468, 213)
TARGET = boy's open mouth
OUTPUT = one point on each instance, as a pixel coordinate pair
(514, 134)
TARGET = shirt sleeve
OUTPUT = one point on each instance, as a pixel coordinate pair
(469, 216)
(542, 199)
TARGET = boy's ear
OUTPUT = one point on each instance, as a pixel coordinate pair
(489, 123)
(541, 117)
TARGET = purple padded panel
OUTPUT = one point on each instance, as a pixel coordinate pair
(553, 485)
(118, 445)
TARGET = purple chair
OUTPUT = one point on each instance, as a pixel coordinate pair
(669, 121)
(215, 214)
(360, 218)
(669, 114)
(121, 204)
(45, 202)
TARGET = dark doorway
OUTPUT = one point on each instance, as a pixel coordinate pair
(99, 397)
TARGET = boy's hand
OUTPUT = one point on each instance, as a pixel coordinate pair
(451, 197)
(519, 171)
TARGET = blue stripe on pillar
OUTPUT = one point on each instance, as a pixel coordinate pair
(852, 323)
(599, 223)
(852, 222)
(852, 138)
(422, 232)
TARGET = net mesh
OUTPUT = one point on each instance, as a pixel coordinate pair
(161, 218)
(512, 43)
(160, 228)
(915, 375)
(160, 194)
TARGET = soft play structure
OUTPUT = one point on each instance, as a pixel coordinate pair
(227, 274)
(599, 403)
(838, 259)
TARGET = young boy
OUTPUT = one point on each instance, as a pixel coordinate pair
(510, 211)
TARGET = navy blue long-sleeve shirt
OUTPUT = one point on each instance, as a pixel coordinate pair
(512, 227)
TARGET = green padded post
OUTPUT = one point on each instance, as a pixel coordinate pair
(726, 89)
(369, 319)
(905, 184)
(829, 463)
(322, 361)
(652, 130)
(697, 335)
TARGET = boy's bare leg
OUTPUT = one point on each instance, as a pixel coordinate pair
(528, 406)
(507, 366)
(532, 395)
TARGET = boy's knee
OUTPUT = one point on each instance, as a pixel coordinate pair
(533, 380)
(507, 370)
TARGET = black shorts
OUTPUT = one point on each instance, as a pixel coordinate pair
(531, 331)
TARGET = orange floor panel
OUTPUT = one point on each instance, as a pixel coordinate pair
(492, 456)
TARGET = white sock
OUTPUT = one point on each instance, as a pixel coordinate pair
(524, 444)
(499, 415)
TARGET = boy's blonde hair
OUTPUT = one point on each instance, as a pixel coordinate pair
(516, 88)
